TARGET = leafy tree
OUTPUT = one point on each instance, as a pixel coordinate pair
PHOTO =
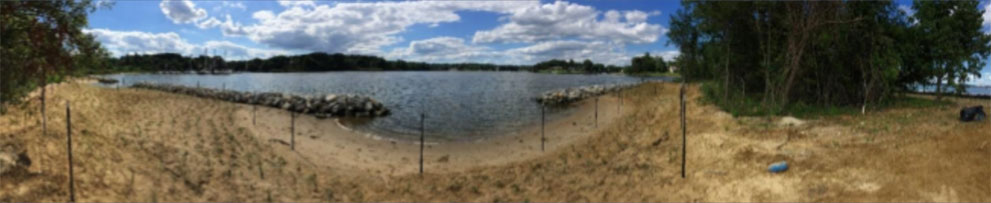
(827, 53)
(955, 44)
(43, 41)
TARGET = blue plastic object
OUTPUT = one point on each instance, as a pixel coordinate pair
(778, 167)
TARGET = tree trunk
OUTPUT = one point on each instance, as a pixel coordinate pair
(939, 87)
(726, 69)
(44, 118)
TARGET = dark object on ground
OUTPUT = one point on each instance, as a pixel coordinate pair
(974, 113)
(106, 80)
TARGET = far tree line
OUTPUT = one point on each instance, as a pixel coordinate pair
(319, 61)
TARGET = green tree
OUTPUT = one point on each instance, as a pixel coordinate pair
(956, 45)
(642, 64)
(42, 41)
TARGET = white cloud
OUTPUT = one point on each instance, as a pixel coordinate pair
(296, 3)
(126, 42)
(237, 4)
(563, 20)
(559, 30)
(227, 27)
(987, 17)
(600, 52)
(987, 14)
(446, 50)
(357, 27)
(454, 50)
(181, 11)
(123, 42)
(668, 56)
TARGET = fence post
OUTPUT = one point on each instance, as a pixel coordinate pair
(292, 130)
(44, 117)
(254, 110)
(684, 142)
(596, 111)
(542, 123)
(422, 117)
(68, 138)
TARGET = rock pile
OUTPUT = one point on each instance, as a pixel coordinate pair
(321, 107)
(569, 95)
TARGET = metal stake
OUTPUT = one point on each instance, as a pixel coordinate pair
(684, 142)
(542, 123)
(292, 130)
(68, 138)
(422, 117)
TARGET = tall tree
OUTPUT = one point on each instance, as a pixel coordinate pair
(952, 29)
(39, 42)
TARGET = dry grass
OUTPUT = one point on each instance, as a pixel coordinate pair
(137, 145)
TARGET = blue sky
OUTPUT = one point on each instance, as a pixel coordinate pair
(504, 32)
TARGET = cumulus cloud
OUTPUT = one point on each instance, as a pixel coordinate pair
(558, 30)
(563, 20)
(987, 14)
(127, 42)
(984, 80)
(668, 56)
(601, 52)
(229, 4)
(182, 11)
(446, 50)
(227, 27)
(296, 3)
(357, 27)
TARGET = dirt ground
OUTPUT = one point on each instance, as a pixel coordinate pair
(142, 145)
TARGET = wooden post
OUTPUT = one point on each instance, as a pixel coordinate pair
(684, 142)
(68, 138)
(619, 94)
(292, 130)
(542, 123)
(596, 111)
(422, 117)
(44, 118)
(254, 110)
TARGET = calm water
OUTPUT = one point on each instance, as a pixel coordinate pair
(459, 106)
(971, 90)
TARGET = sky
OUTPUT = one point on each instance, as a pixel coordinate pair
(501, 32)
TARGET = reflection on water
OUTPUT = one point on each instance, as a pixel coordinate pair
(458, 105)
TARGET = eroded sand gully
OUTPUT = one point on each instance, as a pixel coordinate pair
(142, 145)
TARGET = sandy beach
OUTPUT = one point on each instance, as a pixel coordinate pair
(144, 145)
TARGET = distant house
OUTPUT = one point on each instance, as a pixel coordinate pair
(673, 69)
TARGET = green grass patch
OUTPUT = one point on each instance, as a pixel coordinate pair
(752, 105)
(656, 74)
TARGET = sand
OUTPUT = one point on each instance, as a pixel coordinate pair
(143, 145)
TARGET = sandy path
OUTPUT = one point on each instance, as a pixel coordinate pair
(326, 143)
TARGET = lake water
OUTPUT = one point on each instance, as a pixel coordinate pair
(969, 90)
(459, 106)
